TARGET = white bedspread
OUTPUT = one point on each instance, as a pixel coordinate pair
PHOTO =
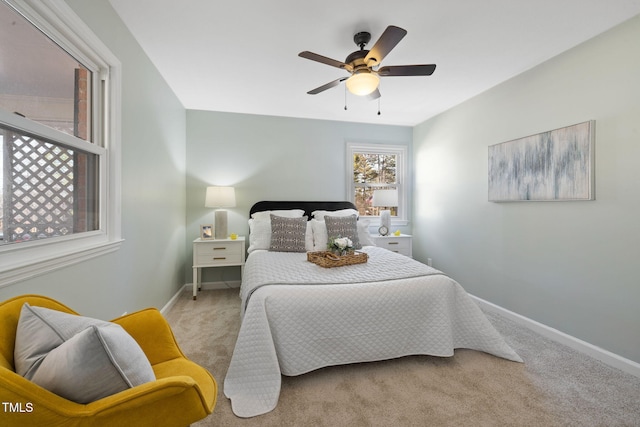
(291, 328)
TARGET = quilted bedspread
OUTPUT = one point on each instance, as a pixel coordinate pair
(299, 317)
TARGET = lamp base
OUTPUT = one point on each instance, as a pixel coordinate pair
(385, 220)
(221, 224)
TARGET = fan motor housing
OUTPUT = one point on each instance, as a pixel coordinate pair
(355, 56)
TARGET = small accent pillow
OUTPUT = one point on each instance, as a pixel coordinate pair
(79, 358)
(260, 235)
(288, 234)
(321, 237)
(343, 226)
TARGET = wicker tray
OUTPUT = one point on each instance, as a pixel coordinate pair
(328, 259)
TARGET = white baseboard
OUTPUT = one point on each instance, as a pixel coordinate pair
(207, 286)
(234, 284)
(171, 302)
(605, 356)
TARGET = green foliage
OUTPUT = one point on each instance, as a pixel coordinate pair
(375, 169)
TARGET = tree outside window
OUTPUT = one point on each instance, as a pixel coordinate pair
(373, 172)
(374, 167)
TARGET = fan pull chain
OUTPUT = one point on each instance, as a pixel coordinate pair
(345, 98)
(379, 105)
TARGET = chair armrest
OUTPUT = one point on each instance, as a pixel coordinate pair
(152, 332)
(47, 408)
(145, 394)
(15, 388)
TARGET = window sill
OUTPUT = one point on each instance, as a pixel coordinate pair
(73, 254)
(375, 221)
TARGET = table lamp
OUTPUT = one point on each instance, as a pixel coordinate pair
(220, 197)
(385, 199)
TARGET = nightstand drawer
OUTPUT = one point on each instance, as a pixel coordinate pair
(400, 244)
(212, 253)
(218, 258)
(393, 244)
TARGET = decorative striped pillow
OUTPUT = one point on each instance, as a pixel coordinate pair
(343, 226)
(288, 234)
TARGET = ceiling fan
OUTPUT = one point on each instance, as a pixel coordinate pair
(363, 64)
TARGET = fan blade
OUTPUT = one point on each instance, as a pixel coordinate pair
(374, 95)
(324, 60)
(327, 86)
(387, 41)
(407, 70)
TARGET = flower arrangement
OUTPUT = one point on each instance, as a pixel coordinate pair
(340, 245)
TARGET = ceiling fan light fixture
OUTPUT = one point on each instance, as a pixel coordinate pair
(362, 83)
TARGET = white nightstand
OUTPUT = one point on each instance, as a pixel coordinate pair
(400, 244)
(216, 253)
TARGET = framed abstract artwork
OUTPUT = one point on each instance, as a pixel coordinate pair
(557, 165)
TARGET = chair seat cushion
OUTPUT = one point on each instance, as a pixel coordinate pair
(79, 358)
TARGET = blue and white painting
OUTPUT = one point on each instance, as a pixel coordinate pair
(550, 166)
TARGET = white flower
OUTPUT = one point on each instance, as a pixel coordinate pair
(343, 242)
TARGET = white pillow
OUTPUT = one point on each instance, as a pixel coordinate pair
(319, 215)
(363, 233)
(321, 237)
(308, 238)
(289, 213)
(260, 235)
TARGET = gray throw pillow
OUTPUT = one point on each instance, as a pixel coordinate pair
(39, 331)
(79, 358)
(343, 226)
(288, 234)
(95, 363)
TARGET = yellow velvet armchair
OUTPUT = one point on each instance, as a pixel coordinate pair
(183, 392)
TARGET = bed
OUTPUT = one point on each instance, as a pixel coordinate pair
(298, 317)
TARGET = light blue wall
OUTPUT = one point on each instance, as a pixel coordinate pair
(149, 267)
(569, 265)
(269, 158)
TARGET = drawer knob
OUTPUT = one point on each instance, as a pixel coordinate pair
(393, 243)
(218, 258)
(219, 249)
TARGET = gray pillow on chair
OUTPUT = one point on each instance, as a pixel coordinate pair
(79, 358)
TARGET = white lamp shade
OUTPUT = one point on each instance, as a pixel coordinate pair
(363, 83)
(385, 198)
(220, 197)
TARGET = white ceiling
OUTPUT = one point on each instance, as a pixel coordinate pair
(241, 56)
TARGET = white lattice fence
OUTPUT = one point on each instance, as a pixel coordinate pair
(41, 189)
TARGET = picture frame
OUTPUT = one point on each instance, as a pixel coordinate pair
(558, 165)
(206, 231)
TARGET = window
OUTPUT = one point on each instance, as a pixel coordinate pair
(375, 172)
(59, 140)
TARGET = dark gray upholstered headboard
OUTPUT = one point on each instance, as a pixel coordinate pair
(308, 207)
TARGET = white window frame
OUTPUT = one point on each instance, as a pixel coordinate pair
(400, 151)
(24, 260)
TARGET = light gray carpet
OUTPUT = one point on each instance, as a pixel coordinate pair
(556, 386)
